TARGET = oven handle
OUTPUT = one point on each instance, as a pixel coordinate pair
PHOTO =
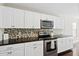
(55, 44)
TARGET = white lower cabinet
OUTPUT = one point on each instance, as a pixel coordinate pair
(18, 50)
(24, 49)
(12, 50)
(64, 44)
(34, 48)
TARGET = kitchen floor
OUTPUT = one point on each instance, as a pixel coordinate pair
(67, 53)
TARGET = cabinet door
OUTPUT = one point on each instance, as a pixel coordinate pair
(17, 50)
(68, 43)
(58, 23)
(18, 18)
(1, 17)
(32, 20)
(34, 48)
(59, 45)
(12, 50)
(5, 50)
(38, 49)
(7, 17)
(5, 53)
(64, 44)
(12, 18)
(27, 20)
(28, 51)
(36, 20)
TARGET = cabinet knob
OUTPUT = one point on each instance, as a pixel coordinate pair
(9, 52)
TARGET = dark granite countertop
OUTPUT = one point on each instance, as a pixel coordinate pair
(13, 41)
(48, 38)
(32, 39)
(62, 36)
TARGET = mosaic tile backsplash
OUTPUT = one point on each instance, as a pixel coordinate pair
(20, 35)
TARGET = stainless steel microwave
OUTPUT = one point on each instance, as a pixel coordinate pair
(46, 24)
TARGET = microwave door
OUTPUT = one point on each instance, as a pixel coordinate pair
(46, 24)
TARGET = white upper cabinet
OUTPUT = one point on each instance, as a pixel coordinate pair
(1, 16)
(18, 18)
(6, 17)
(12, 18)
(58, 23)
(15, 18)
(32, 20)
(36, 21)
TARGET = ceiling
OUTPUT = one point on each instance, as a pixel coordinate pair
(57, 9)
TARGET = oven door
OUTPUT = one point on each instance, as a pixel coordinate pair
(50, 47)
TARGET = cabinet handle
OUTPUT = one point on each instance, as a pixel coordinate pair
(9, 52)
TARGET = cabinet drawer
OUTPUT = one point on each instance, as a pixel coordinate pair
(12, 50)
(5, 48)
(6, 53)
(33, 43)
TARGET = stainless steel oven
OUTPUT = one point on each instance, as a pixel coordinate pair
(50, 47)
(46, 24)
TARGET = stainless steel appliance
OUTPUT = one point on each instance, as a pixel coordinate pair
(46, 24)
(50, 45)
